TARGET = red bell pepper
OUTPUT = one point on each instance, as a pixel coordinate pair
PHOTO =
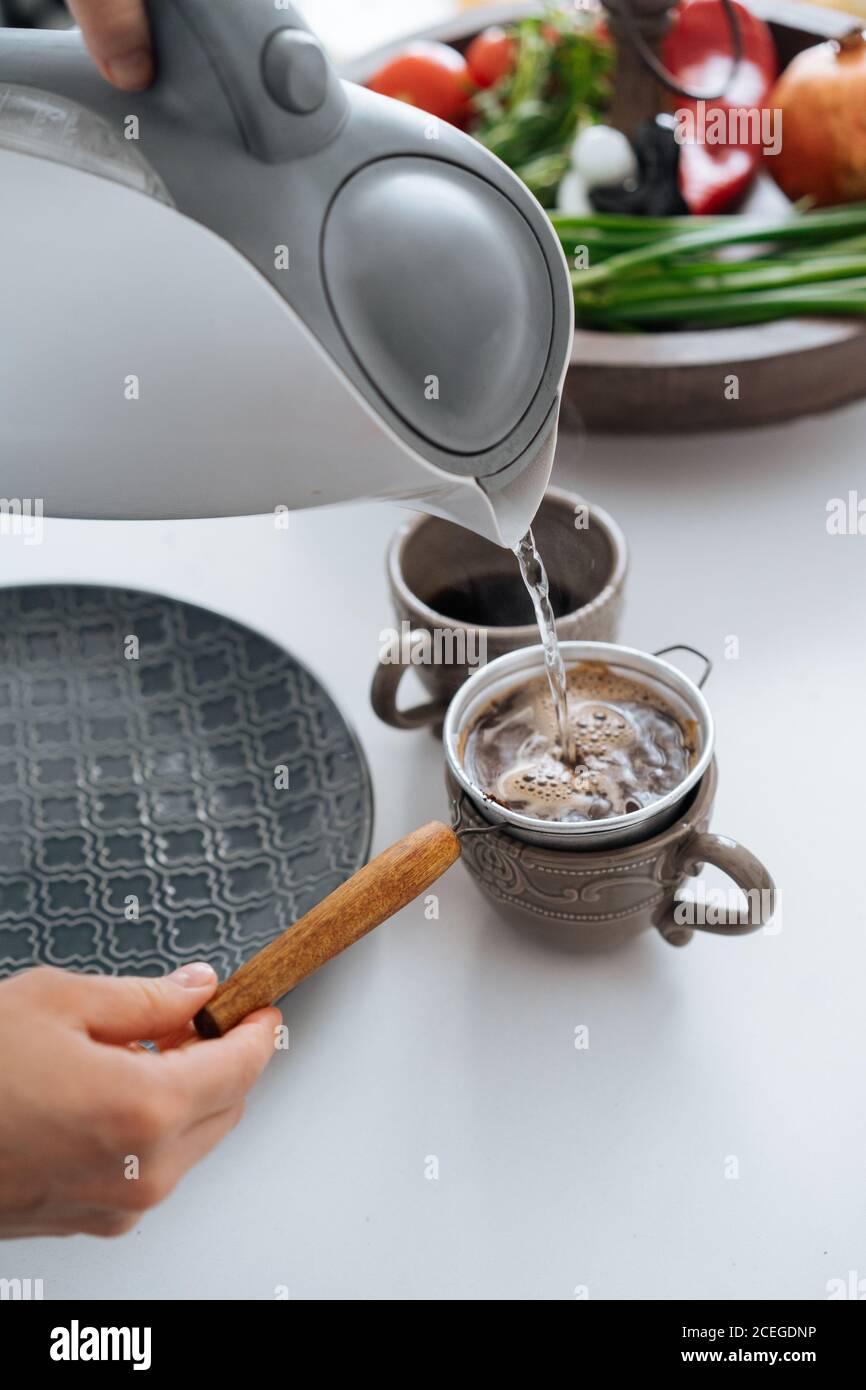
(697, 51)
(713, 178)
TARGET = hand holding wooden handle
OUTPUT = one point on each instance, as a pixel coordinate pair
(363, 902)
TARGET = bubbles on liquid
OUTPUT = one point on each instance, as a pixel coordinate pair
(632, 748)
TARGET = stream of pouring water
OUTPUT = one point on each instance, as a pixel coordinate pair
(536, 581)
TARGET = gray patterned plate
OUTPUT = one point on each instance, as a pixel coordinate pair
(173, 786)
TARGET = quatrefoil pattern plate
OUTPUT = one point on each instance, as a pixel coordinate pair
(173, 786)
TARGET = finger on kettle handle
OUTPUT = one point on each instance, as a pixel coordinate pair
(372, 895)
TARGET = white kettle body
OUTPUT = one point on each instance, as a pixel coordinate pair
(257, 286)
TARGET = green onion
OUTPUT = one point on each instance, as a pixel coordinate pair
(669, 270)
(736, 280)
(845, 297)
(739, 231)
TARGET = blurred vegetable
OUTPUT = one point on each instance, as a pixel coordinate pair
(656, 189)
(522, 92)
(543, 175)
(431, 76)
(490, 56)
(822, 97)
(697, 50)
(661, 272)
(713, 178)
(559, 79)
(603, 155)
(572, 196)
(600, 156)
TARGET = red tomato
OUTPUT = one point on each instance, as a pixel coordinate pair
(490, 56)
(431, 76)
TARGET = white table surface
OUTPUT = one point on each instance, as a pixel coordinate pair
(558, 1168)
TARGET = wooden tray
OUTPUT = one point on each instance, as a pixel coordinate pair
(661, 383)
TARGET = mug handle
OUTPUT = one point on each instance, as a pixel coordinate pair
(383, 698)
(747, 872)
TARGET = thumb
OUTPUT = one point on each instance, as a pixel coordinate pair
(129, 1007)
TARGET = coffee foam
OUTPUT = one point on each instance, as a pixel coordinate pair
(632, 747)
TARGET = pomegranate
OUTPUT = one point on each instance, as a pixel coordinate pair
(822, 97)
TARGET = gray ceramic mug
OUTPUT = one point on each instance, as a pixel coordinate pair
(610, 878)
(431, 561)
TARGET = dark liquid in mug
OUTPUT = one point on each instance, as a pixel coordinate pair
(631, 747)
(498, 601)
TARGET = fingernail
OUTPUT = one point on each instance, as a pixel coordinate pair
(194, 976)
(131, 71)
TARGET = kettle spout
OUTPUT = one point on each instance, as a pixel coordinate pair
(515, 494)
(500, 507)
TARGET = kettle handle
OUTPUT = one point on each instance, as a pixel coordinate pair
(285, 95)
(241, 71)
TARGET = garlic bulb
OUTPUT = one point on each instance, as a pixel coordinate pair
(602, 155)
(572, 197)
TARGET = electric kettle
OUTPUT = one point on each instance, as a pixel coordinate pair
(255, 285)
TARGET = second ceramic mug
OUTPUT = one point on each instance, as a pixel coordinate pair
(586, 558)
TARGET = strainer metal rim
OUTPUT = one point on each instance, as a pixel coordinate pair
(530, 661)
